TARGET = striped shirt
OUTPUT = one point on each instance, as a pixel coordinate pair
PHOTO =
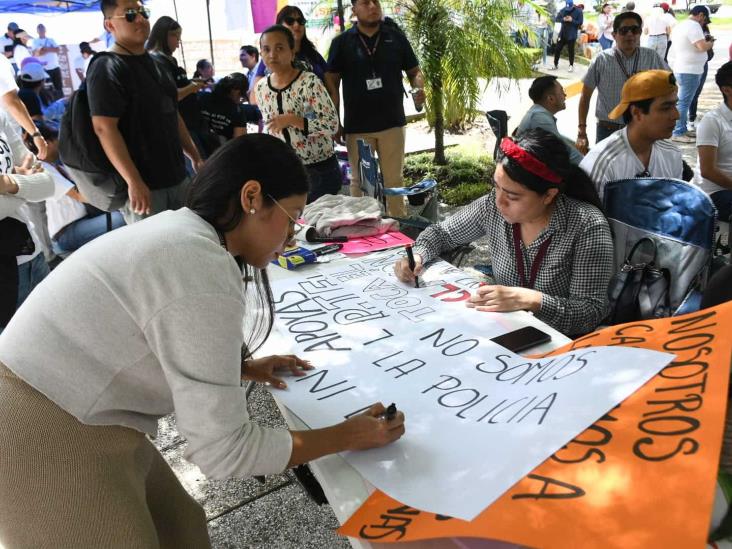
(613, 159)
(576, 270)
(609, 71)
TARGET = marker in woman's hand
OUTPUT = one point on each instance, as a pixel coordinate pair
(390, 412)
(412, 264)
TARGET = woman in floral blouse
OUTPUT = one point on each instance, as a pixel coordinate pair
(296, 108)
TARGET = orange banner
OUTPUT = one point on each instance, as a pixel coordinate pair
(641, 476)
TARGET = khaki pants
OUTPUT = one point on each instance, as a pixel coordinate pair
(66, 485)
(389, 145)
(170, 198)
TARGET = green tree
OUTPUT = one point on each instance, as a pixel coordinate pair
(461, 45)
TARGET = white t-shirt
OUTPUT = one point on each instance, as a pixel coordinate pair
(715, 130)
(7, 77)
(5, 41)
(143, 321)
(61, 209)
(19, 53)
(613, 159)
(31, 188)
(51, 59)
(656, 23)
(605, 23)
(683, 57)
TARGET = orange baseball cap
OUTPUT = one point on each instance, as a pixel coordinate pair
(644, 85)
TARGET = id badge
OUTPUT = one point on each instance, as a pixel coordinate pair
(373, 84)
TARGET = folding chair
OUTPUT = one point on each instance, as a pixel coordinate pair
(498, 121)
(679, 217)
(422, 194)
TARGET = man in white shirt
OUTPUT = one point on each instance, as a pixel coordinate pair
(657, 29)
(7, 43)
(46, 49)
(687, 56)
(714, 145)
(641, 149)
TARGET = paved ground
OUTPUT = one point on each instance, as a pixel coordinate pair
(277, 513)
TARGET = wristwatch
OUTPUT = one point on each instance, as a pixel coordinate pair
(36, 133)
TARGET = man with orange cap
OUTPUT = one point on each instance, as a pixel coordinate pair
(642, 148)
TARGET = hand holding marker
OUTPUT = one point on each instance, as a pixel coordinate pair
(412, 264)
(390, 413)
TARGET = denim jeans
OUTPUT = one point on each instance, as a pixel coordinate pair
(723, 202)
(30, 275)
(688, 84)
(81, 231)
(542, 40)
(695, 101)
(658, 43)
(325, 178)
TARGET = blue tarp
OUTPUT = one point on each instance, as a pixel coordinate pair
(48, 6)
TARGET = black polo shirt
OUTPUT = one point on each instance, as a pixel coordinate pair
(134, 89)
(378, 109)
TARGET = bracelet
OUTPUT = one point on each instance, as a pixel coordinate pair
(36, 133)
(581, 125)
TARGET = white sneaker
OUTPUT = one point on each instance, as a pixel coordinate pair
(553, 68)
(691, 125)
(683, 138)
(571, 68)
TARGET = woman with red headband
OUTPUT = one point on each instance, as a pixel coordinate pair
(551, 248)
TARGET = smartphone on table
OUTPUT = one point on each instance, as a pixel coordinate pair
(522, 339)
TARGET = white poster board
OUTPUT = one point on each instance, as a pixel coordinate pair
(479, 418)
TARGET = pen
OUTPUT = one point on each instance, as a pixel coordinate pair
(390, 413)
(410, 258)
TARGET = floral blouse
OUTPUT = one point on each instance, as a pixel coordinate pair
(307, 97)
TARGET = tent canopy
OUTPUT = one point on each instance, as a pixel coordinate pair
(47, 6)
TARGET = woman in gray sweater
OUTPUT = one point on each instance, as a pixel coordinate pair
(145, 321)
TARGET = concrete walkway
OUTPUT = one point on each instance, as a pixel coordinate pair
(277, 513)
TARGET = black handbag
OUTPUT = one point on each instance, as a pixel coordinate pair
(640, 291)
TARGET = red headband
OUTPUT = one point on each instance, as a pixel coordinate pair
(528, 161)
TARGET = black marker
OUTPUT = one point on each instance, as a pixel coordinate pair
(329, 249)
(391, 412)
(410, 258)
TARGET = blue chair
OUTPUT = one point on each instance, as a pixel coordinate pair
(679, 217)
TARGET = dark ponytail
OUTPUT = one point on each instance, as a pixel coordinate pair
(552, 151)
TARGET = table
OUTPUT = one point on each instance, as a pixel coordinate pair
(344, 487)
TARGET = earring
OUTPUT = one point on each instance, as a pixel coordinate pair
(252, 211)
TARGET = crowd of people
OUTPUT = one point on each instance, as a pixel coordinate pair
(148, 319)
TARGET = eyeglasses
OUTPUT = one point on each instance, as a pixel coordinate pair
(296, 227)
(289, 20)
(131, 14)
(635, 29)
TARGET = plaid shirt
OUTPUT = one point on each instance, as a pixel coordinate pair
(608, 76)
(576, 270)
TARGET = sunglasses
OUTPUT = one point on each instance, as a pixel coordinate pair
(289, 20)
(635, 29)
(296, 227)
(131, 14)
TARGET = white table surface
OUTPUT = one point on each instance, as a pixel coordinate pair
(345, 488)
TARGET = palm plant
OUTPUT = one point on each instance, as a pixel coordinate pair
(461, 43)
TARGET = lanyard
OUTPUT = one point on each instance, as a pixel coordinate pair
(371, 52)
(618, 58)
(376, 44)
(536, 265)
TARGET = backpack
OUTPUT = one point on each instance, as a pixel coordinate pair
(640, 291)
(83, 155)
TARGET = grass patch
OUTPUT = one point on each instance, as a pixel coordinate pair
(467, 175)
